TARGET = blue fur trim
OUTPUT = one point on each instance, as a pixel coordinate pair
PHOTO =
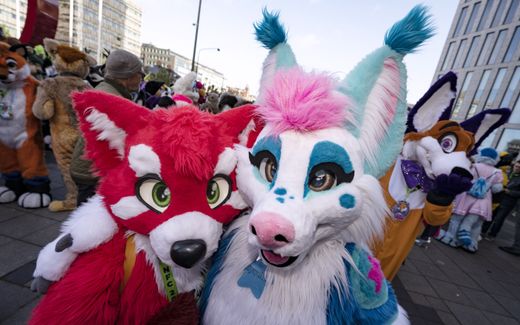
(12, 175)
(284, 56)
(273, 145)
(489, 152)
(408, 34)
(343, 305)
(270, 32)
(36, 181)
(216, 267)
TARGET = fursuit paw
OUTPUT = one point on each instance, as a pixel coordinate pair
(58, 206)
(7, 195)
(31, 200)
(464, 237)
(470, 248)
(40, 285)
(63, 243)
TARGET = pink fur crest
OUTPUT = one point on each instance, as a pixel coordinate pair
(300, 101)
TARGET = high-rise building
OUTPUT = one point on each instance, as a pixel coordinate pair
(482, 47)
(120, 25)
(152, 55)
(12, 16)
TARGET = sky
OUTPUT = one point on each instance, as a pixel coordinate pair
(326, 35)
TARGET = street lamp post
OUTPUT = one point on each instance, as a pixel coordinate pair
(198, 56)
(196, 35)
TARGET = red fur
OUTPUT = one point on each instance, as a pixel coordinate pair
(183, 309)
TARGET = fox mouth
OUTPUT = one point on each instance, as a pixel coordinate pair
(276, 259)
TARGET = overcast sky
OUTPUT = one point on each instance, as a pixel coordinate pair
(326, 35)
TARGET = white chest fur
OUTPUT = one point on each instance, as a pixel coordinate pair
(13, 131)
(296, 296)
(186, 279)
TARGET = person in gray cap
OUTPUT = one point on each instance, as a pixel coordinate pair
(123, 75)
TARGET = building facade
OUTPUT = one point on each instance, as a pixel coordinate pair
(120, 22)
(152, 55)
(483, 48)
(12, 16)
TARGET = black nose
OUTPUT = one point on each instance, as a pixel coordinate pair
(462, 172)
(188, 252)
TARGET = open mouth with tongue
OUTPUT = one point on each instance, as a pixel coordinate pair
(277, 260)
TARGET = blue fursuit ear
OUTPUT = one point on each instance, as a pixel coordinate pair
(377, 86)
(273, 36)
(435, 105)
(485, 122)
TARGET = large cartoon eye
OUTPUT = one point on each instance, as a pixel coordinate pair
(218, 190)
(266, 164)
(448, 142)
(11, 63)
(325, 176)
(153, 193)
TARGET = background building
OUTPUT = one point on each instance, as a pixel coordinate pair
(120, 25)
(166, 58)
(483, 49)
(12, 16)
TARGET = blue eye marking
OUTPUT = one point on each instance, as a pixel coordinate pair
(269, 143)
(280, 199)
(280, 191)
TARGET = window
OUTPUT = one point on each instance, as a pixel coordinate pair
(472, 17)
(478, 94)
(498, 14)
(511, 88)
(507, 136)
(485, 15)
(485, 49)
(471, 53)
(511, 50)
(498, 46)
(515, 116)
(495, 88)
(447, 58)
(462, 93)
(462, 16)
(460, 52)
(511, 12)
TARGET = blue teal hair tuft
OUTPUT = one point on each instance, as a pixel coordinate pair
(270, 32)
(408, 34)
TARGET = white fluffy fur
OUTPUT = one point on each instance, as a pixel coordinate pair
(430, 112)
(13, 132)
(128, 207)
(485, 125)
(186, 279)
(227, 162)
(190, 225)
(143, 160)
(236, 201)
(377, 109)
(309, 282)
(108, 131)
(244, 135)
(90, 226)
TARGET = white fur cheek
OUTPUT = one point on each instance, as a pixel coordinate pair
(227, 161)
(128, 207)
(250, 188)
(143, 160)
(190, 225)
(236, 201)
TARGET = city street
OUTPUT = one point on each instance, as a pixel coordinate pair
(437, 285)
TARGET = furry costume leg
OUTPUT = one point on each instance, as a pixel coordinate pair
(34, 174)
(10, 171)
(449, 237)
(469, 231)
(63, 147)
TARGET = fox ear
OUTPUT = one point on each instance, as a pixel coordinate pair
(484, 123)
(106, 121)
(242, 124)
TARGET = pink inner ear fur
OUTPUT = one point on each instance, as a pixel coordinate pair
(300, 101)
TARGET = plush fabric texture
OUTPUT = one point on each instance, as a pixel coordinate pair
(484, 123)
(489, 153)
(270, 32)
(309, 102)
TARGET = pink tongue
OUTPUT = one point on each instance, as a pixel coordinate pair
(274, 258)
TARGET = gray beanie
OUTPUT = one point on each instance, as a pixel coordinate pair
(122, 64)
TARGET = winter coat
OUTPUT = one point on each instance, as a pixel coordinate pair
(466, 204)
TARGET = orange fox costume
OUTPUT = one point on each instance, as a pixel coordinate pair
(21, 148)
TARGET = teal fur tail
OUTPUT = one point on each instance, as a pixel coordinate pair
(408, 34)
(270, 32)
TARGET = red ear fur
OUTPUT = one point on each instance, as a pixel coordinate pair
(243, 124)
(105, 121)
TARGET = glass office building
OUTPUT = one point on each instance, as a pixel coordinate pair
(483, 48)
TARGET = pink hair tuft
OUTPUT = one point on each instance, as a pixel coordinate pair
(300, 101)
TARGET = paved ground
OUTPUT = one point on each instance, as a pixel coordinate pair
(437, 285)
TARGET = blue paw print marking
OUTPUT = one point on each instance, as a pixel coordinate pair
(281, 192)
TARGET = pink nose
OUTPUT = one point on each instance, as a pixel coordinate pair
(272, 229)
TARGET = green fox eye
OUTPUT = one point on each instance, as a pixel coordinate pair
(218, 191)
(153, 193)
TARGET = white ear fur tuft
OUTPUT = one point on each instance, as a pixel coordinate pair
(487, 122)
(429, 113)
(227, 161)
(108, 131)
(143, 160)
(244, 135)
